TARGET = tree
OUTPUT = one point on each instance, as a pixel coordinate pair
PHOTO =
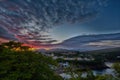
(25, 65)
(116, 67)
(106, 77)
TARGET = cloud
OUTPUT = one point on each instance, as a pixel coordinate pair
(33, 18)
(6, 35)
(105, 43)
(92, 42)
(2, 40)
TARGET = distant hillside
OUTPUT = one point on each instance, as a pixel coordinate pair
(105, 50)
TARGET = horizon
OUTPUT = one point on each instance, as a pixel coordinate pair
(49, 24)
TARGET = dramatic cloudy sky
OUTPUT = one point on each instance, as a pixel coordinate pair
(49, 22)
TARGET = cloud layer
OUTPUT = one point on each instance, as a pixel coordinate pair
(105, 43)
(30, 20)
(92, 42)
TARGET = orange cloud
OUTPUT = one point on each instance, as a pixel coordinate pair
(3, 40)
(37, 47)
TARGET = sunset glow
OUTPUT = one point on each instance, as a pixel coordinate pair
(32, 47)
(48, 24)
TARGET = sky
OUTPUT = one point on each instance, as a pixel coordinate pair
(50, 22)
(107, 21)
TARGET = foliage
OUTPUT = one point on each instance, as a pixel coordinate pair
(106, 77)
(91, 76)
(24, 65)
(116, 66)
(15, 46)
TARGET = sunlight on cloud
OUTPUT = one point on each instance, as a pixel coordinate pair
(31, 19)
(105, 43)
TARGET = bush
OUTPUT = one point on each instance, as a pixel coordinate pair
(26, 65)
